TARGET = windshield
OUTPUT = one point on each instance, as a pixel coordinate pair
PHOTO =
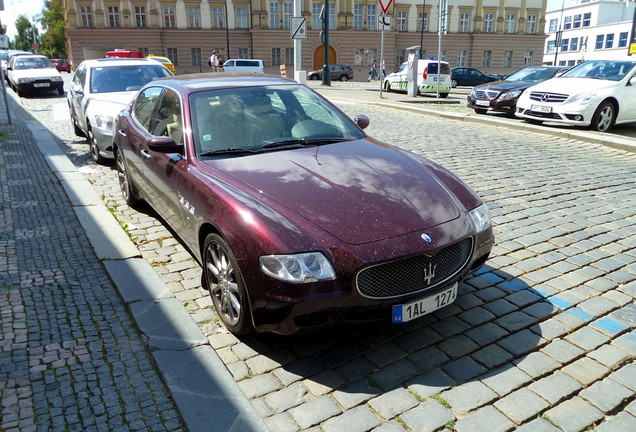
(601, 69)
(125, 78)
(256, 119)
(533, 74)
(32, 63)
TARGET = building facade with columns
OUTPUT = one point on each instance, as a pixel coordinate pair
(495, 36)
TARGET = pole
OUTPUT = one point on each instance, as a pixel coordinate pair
(326, 75)
(227, 35)
(422, 30)
(299, 74)
(381, 59)
(559, 35)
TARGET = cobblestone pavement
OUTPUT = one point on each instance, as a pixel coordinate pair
(543, 338)
(71, 357)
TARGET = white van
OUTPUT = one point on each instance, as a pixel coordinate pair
(244, 65)
(426, 78)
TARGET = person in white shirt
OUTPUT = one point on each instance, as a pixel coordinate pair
(214, 61)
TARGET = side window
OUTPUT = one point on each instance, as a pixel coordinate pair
(167, 119)
(144, 105)
(80, 74)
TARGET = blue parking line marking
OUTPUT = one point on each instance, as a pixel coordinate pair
(610, 325)
(581, 314)
(560, 303)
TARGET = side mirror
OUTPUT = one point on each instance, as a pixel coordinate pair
(164, 145)
(361, 121)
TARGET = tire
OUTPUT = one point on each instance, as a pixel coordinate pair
(344, 78)
(92, 143)
(131, 196)
(453, 83)
(223, 279)
(443, 95)
(387, 87)
(76, 129)
(60, 91)
(314, 77)
(480, 111)
(603, 117)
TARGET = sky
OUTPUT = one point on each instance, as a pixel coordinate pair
(15, 8)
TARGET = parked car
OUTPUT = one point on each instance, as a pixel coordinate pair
(244, 66)
(426, 79)
(298, 218)
(33, 73)
(595, 93)
(164, 61)
(501, 96)
(466, 76)
(5, 56)
(99, 90)
(62, 65)
(336, 72)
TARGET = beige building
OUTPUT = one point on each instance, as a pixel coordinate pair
(495, 36)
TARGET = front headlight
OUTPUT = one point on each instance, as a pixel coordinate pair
(583, 99)
(512, 94)
(24, 80)
(298, 268)
(56, 78)
(104, 122)
(480, 217)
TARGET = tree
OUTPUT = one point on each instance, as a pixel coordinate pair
(27, 34)
(53, 43)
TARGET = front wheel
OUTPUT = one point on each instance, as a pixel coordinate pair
(454, 83)
(92, 143)
(603, 117)
(387, 87)
(344, 78)
(223, 279)
(443, 95)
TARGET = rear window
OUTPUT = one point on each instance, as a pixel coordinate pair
(445, 68)
(248, 63)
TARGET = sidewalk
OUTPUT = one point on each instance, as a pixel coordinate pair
(92, 339)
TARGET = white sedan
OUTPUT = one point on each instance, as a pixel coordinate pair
(596, 94)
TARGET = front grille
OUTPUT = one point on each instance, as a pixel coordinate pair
(548, 97)
(540, 114)
(414, 274)
(486, 94)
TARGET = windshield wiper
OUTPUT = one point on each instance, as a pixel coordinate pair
(228, 151)
(304, 142)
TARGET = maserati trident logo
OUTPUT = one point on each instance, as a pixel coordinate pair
(426, 238)
(429, 273)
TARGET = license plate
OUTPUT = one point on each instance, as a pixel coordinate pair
(423, 306)
(482, 103)
(41, 85)
(541, 108)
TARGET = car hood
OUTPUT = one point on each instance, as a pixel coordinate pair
(35, 73)
(505, 85)
(109, 103)
(573, 85)
(357, 191)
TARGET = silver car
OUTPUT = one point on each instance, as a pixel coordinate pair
(99, 90)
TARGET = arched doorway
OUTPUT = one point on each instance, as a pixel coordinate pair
(319, 56)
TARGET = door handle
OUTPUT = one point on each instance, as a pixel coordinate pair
(145, 154)
(121, 132)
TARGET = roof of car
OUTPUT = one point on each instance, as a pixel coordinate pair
(204, 81)
(118, 61)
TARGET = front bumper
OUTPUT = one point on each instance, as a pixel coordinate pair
(566, 113)
(104, 140)
(32, 87)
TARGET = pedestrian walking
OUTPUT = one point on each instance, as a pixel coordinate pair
(373, 71)
(214, 61)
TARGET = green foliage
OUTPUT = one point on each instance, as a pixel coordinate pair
(53, 42)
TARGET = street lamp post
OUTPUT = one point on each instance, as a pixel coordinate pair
(422, 30)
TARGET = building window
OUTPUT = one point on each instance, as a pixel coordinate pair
(169, 17)
(274, 17)
(461, 58)
(528, 58)
(565, 44)
(113, 16)
(143, 51)
(422, 19)
(599, 41)
(194, 18)
(622, 40)
(289, 56)
(358, 17)
(507, 62)
(550, 48)
(241, 18)
(587, 19)
(243, 53)
(195, 55)
(275, 56)
(609, 41)
(288, 12)
(577, 21)
(171, 53)
(574, 44)
(464, 23)
(86, 16)
(532, 24)
(400, 57)
(372, 19)
(511, 20)
(140, 16)
(218, 14)
(487, 60)
(489, 23)
(567, 23)
(316, 22)
(402, 17)
(554, 25)
(332, 16)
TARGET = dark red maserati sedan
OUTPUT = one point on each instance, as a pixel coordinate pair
(298, 218)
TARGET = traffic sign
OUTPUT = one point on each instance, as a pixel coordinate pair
(4, 41)
(384, 22)
(385, 5)
(299, 28)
